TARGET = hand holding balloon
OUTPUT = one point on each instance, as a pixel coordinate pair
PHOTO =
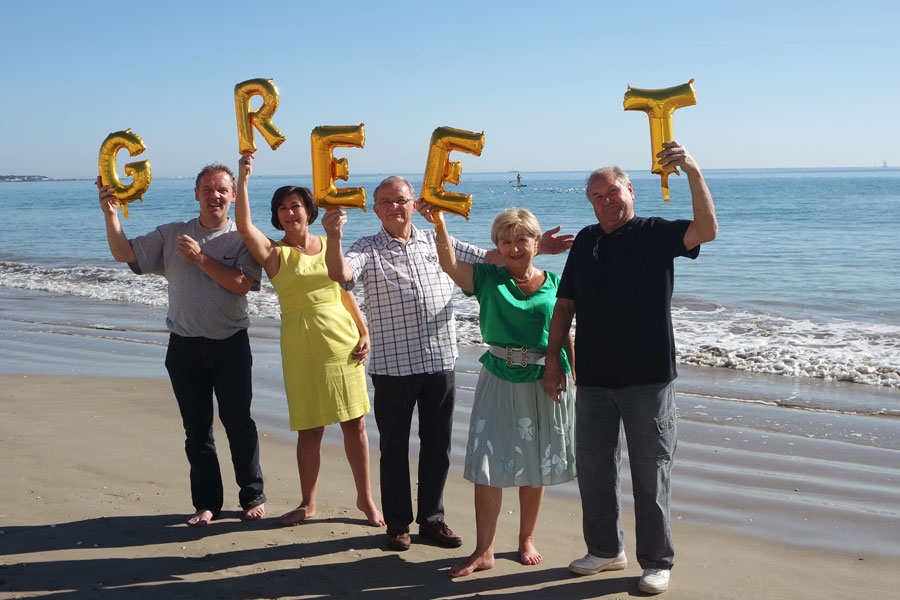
(674, 155)
(108, 201)
(333, 222)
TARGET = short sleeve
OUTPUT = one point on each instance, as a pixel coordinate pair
(481, 274)
(467, 252)
(356, 258)
(148, 249)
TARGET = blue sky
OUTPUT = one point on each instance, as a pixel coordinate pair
(779, 84)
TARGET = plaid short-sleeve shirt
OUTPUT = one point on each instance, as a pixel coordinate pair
(407, 301)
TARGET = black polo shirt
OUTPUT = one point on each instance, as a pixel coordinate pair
(622, 283)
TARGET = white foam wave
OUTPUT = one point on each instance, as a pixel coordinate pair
(706, 334)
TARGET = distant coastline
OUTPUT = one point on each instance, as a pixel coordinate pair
(33, 178)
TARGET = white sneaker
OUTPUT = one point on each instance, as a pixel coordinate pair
(654, 581)
(591, 565)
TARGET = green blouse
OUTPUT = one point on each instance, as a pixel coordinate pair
(510, 317)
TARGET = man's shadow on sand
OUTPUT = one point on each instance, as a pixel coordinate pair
(387, 576)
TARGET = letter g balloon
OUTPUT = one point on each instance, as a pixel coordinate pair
(139, 170)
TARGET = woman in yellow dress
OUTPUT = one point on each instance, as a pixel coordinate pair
(324, 341)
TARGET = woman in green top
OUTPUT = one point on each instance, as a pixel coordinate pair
(518, 435)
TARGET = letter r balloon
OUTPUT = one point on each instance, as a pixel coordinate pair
(659, 106)
(260, 118)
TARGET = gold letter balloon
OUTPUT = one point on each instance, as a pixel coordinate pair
(261, 118)
(325, 168)
(659, 106)
(140, 171)
(440, 170)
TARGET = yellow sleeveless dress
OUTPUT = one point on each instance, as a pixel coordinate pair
(324, 385)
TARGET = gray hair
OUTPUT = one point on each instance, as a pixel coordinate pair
(214, 168)
(617, 171)
(395, 179)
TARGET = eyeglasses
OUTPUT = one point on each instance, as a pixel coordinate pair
(398, 201)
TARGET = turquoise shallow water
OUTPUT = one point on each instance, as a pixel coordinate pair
(802, 280)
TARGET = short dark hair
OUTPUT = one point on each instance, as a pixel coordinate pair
(214, 168)
(312, 210)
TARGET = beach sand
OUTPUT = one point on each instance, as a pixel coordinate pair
(768, 502)
(96, 493)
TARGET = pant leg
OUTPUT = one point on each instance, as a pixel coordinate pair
(436, 402)
(648, 415)
(193, 389)
(395, 398)
(597, 454)
(230, 365)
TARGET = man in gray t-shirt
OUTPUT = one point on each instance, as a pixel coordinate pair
(209, 271)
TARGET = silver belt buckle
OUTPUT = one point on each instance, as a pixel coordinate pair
(509, 359)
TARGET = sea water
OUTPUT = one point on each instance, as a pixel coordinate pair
(802, 281)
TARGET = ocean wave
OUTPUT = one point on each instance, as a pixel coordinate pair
(707, 334)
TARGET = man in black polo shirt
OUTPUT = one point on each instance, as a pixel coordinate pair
(618, 284)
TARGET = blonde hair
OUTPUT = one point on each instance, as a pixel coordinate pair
(512, 220)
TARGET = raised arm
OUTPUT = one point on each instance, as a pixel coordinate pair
(118, 244)
(460, 272)
(560, 327)
(704, 227)
(338, 269)
(262, 249)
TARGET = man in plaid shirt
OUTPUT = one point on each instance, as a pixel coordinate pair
(413, 333)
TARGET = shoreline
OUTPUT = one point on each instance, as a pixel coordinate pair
(100, 494)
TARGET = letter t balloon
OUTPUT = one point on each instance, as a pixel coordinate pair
(659, 106)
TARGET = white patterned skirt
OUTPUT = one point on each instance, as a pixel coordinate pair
(518, 435)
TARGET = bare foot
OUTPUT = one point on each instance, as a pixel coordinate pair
(201, 518)
(528, 554)
(254, 513)
(298, 515)
(376, 519)
(476, 562)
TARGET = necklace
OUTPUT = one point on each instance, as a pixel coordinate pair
(529, 277)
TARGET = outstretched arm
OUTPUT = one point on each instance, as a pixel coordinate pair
(338, 269)
(262, 249)
(459, 271)
(704, 227)
(118, 244)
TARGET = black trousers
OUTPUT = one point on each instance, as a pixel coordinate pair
(199, 367)
(395, 398)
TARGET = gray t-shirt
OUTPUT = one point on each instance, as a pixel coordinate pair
(198, 306)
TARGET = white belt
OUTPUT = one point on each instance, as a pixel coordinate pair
(518, 356)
